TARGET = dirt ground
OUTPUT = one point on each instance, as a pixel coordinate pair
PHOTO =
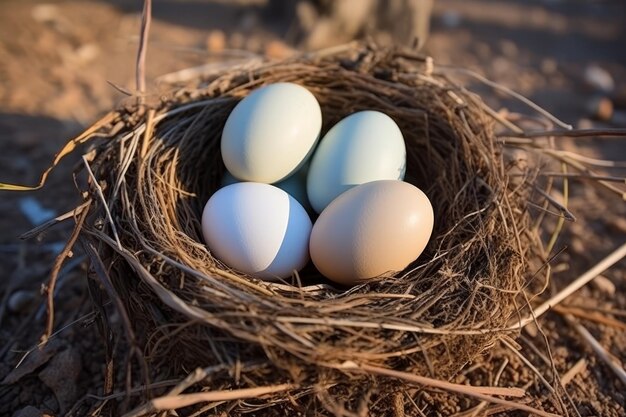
(63, 64)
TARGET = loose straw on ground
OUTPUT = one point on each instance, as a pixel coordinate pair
(597, 348)
(613, 258)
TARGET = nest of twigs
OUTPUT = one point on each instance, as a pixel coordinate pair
(306, 345)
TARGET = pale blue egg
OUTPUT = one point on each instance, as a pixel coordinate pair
(363, 147)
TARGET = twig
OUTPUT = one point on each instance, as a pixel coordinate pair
(481, 393)
(617, 255)
(564, 212)
(585, 159)
(577, 133)
(84, 318)
(584, 176)
(140, 73)
(496, 381)
(578, 367)
(597, 348)
(579, 166)
(44, 226)
(54, 274)
(172, 402)
(104, 203)
(528, 363)
(561, 220)
(196, 376)
(613, 312)
(510, 92)
(436, 383)
(591, 316)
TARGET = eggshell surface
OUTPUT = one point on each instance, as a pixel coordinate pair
(371, 229)
(270, 132)
(365, 146)
(257, 229)
(294, 185)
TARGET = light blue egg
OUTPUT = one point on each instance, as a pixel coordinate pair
(294, 185)
(363, 147)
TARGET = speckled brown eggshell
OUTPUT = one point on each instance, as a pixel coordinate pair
(372, 229)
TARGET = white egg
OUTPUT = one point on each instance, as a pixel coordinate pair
(363, 147)
(257, 229)
(271, 132)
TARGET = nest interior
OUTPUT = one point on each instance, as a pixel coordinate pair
(181, 308)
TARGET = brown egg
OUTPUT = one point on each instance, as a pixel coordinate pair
(371, 229)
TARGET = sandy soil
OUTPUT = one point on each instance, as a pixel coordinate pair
(60, 61)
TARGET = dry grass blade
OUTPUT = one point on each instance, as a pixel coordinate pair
(571, 373)
(174, 402)
(591, 316)
(578, 133)
(532, 367)
(613, 258)
(434, 383)
(599, 350)
(46, 225)
(510, 92)
(481, 393)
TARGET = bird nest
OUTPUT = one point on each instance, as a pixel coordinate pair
(305, 344)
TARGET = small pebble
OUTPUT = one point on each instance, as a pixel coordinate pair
(549, 66)
(600, 108)
(451, 19)
(599, 78)
(87, 53)
(237, 41)
(278, 49)
(509, 49)
(216, 41)
(45, 13)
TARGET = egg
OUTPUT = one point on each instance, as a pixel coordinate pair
(372, 229)
(270, 133)
(294, 185)
(257, 229)
(365, 146)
